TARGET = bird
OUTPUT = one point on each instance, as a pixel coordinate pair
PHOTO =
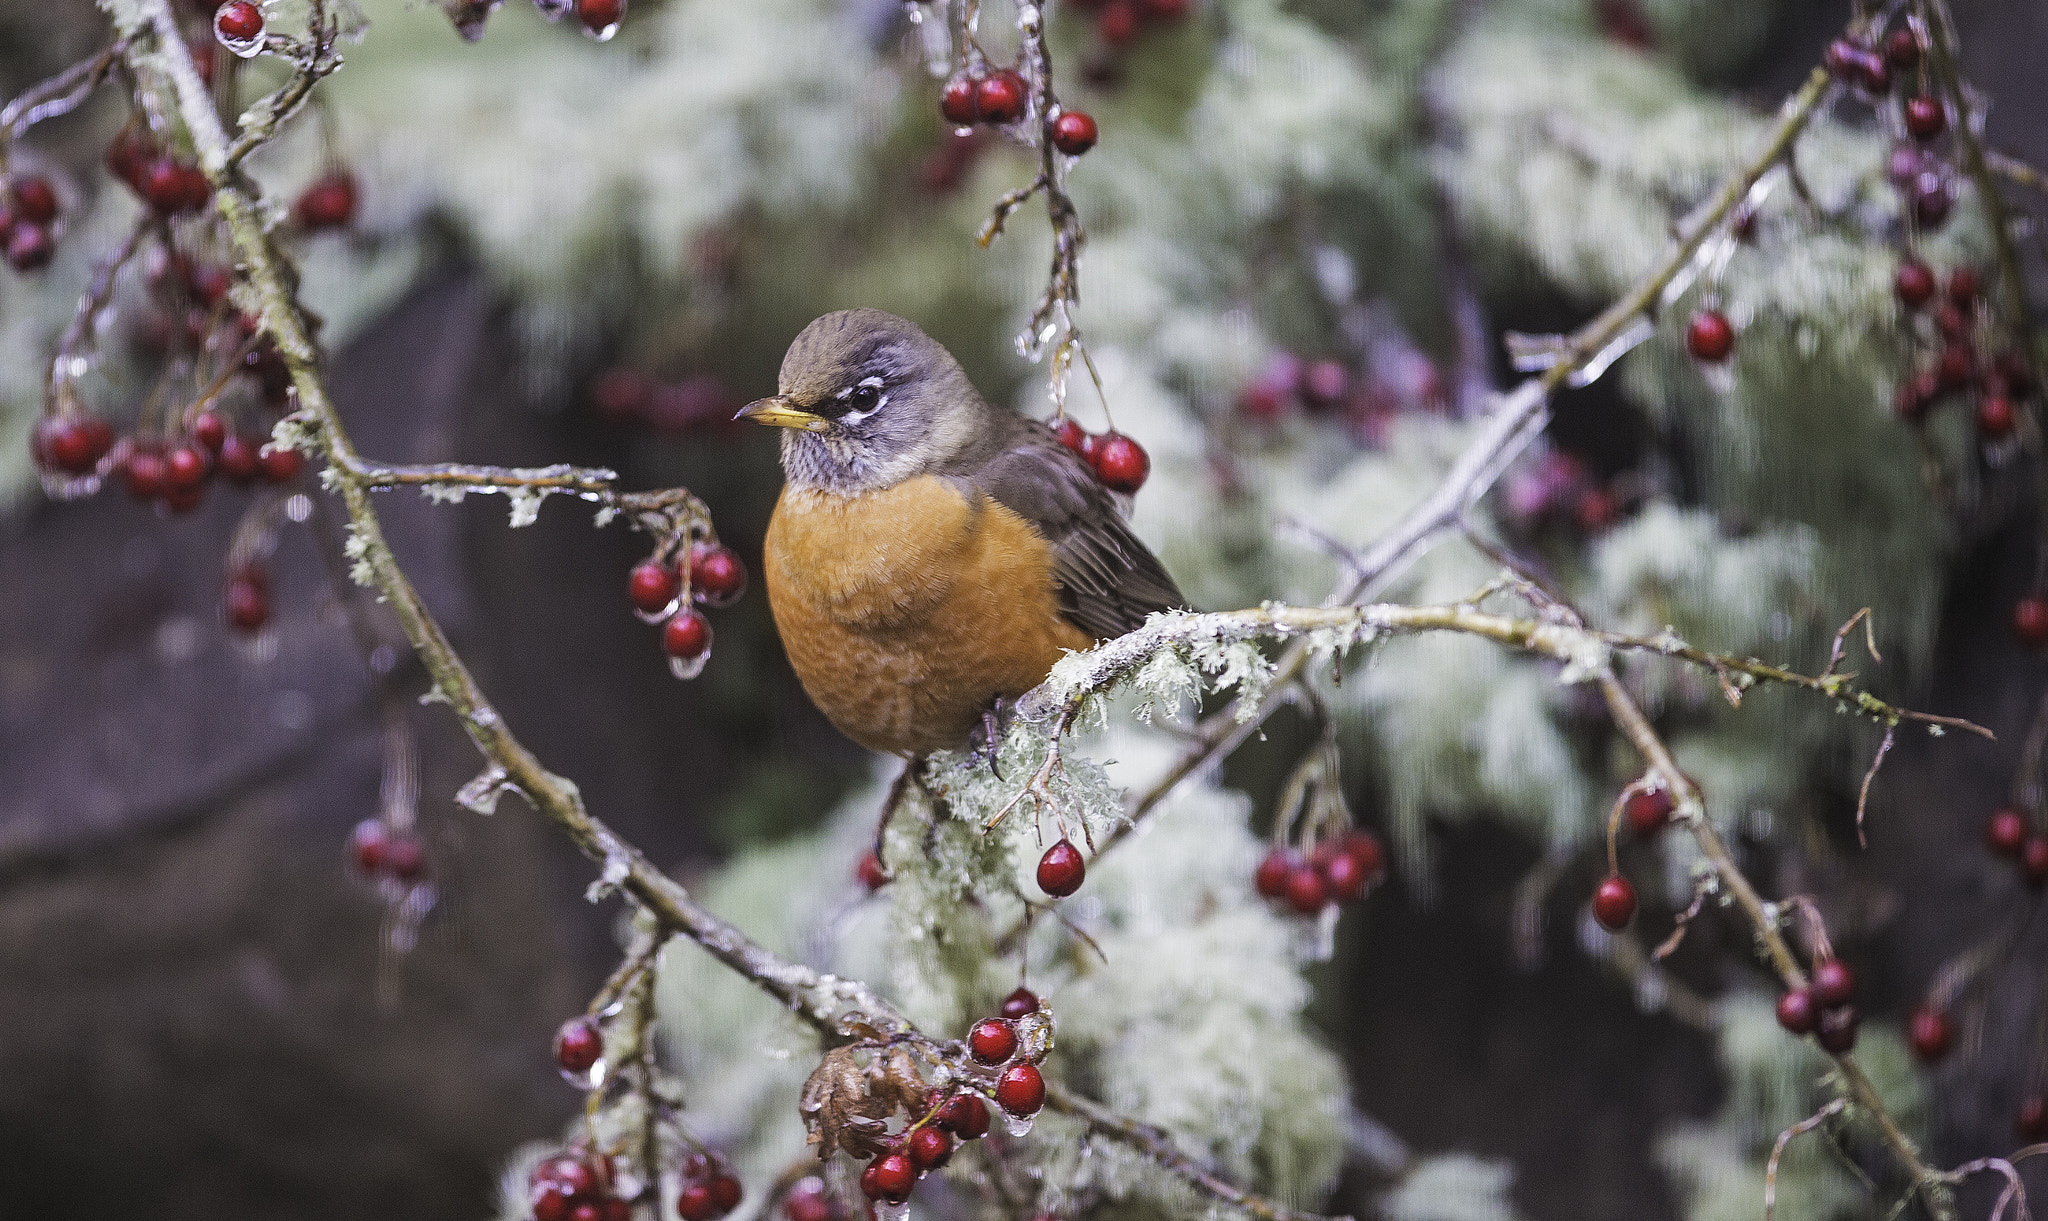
(931, 556)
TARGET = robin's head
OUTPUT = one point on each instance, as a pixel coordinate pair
(869, 401)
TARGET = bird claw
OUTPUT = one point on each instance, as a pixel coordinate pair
(988, 738)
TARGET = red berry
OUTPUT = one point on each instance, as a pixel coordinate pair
(1000, 97)
(1325, 383)
(808, 1202)
(2032, 1124)
(552, 1202)
(34, 198)
(1165, 10)
(368, 845)
(1858, 65)
(1932, 199)
(1020, 1003)
(1073, 133)
(598, 16)
(578, 1045)
(1963, 286)
(246, 604)
(404, 857)
(889, 1177)
(240, 460)
(695, 1203)
(651, 587)
(1996, 417)
(1931, 1033)
(2030, 620)
(1271, 878)
(992, 1041)
(1121, 463)
(1709, 336)
(612, 1208)
(1307, 892)
(957, 101)
(209, 283)
(1951, 322)
(238, 21)
(1902, 50)
(1925, 117)
(1836, 1030)
(185, 468)
(1118, 22)
(72, 444)
(1061, 869)
(1914, 283)
(143, 472)
(717, 575)
(209, 430)
(1958, 367)
(280, 465)
(1021, 1091)
(2006, 832)
(330, 203)
(1364, 847)
(871, 872)
(1648, 810)
(725, 1192)
(930, 1148)
(30, 247)
(966, 1115)
(2034, 861)
(1072, 435)
(687, 635)
(1796, 1012)
(1344, 876)
(1614, 903)
(1834, 984)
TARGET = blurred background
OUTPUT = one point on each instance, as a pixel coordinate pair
(593, 252)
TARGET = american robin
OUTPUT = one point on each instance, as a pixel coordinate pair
(930, 554)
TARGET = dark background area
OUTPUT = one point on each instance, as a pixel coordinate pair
(189, 976)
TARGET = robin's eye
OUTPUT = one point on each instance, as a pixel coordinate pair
(863, 399)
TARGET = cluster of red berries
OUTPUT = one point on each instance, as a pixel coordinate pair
(712, 575)
(1119, 22)
(1118, 461)
(1957, 315)
(694, 405)
(28, 222)
(1825, 1008)
(1401, 378)
(1336, 871)
(1925, 181)
(167, 184)
(928, 1144)
(1647, 811)
(328, 203)
(1559, 486)
(710, 1190)
(576, 1187)
(996, 98)
(172, 473)
(377, 851)
(2008, 835)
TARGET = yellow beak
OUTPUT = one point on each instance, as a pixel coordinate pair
(778, 411)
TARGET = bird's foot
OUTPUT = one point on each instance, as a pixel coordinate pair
(987, 738)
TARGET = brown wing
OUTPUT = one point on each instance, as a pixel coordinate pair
(1108, 582)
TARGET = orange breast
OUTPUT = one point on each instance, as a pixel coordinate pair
(906, 612)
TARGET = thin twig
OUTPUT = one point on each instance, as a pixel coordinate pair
(1778, 1151)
